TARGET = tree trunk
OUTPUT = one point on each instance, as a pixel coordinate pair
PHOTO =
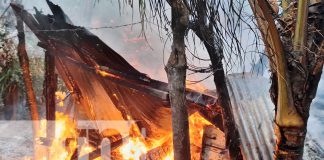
(232, 135)
(304, 71)
(24, 64)
(11, 101)
(176, 73)
(295, 72)
(213, 44)
(49, 93)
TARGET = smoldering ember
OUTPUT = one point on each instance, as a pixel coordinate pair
(161, 80)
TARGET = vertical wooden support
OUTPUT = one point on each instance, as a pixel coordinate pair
(50, 87)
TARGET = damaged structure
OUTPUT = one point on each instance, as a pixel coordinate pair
(104, 86)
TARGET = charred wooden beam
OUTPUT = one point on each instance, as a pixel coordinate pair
(49, 93)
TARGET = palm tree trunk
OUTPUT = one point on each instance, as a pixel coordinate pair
(294, 82)
(176, 73)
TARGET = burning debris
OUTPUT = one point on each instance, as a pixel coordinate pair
(136, 147)
(64, 128)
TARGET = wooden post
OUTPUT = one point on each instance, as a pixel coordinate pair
(49, 93)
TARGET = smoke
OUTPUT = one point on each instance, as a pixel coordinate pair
(147, 54)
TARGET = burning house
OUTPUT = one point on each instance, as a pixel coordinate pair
(105, 87)
(115, 111)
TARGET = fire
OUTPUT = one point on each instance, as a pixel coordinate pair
(137, 146)
(196, 86)
(60, 96)
(169, 156)
(86, 149)
(64, 128)
(196, 128)
(134, 149)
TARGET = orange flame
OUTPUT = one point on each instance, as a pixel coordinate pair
(134, 149)
(64, 128)
(169, 156)
(196, 86)
(196, 128)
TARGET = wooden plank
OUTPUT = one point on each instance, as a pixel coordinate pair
(213, 145)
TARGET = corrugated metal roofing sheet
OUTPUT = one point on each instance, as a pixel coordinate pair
(253, 113)
(254, 116)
